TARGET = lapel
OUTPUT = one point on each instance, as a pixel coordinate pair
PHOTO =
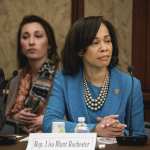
(76, 102)
(114, 99)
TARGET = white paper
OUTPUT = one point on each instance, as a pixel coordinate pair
(61, 141)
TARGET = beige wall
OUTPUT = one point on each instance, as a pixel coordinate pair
(57, 12)
(119, 12)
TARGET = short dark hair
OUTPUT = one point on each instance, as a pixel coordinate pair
(52, 51)
(79, 37)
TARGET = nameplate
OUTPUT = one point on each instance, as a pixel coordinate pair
(61, 141)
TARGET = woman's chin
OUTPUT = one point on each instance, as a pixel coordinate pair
(33, 58)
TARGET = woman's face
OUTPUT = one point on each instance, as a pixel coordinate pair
(99, 53)
(34, 41)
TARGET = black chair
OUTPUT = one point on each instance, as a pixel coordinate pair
(147, 129)
(14, 124)
(6, 125)
(2, 100)
(2, 81)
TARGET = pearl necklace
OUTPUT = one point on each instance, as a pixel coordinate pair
(95, 104)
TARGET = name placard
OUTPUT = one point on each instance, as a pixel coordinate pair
(61, 141)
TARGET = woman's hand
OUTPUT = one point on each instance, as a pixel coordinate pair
(36, 124)
(109, 126)
(24, 116)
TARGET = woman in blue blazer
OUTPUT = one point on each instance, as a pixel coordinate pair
(90, 85)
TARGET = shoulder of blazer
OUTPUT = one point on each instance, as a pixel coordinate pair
(64, 78)
(124, 77)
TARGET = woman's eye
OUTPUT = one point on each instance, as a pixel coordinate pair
(25, 36)
(95, 42)
(108, 41)
(39, 35)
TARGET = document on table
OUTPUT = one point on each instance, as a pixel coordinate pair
(103, 140)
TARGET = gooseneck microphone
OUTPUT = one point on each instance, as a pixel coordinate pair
(131, 139)
(7, 82)
(130, 103)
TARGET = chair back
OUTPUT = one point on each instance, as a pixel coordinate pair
(2, 98)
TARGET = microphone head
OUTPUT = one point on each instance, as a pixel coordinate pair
(130, 69)
(15, 73)
(2, 75)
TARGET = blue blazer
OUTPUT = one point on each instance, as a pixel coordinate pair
(67, 100)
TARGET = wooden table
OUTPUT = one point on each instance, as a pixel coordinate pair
(22, 146)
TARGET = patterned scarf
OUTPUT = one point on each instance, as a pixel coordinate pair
(34, 94)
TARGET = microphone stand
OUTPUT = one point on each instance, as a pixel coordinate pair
(131, 139)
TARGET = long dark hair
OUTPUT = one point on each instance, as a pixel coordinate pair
(79, 37)
(52, 51)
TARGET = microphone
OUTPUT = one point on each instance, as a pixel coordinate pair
(15, 73)
(2, 85)
(130, 103)
(2, 81)
(7, 82)
(131, 139)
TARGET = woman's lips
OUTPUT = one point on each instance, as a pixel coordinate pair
(104, 58)
(31, 50)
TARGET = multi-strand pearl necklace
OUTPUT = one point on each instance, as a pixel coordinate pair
(96, 104)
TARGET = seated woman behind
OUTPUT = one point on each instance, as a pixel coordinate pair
(38, 62)
(90, 85)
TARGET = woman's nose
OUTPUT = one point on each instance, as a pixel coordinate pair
(31, 40)
(102, 47)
